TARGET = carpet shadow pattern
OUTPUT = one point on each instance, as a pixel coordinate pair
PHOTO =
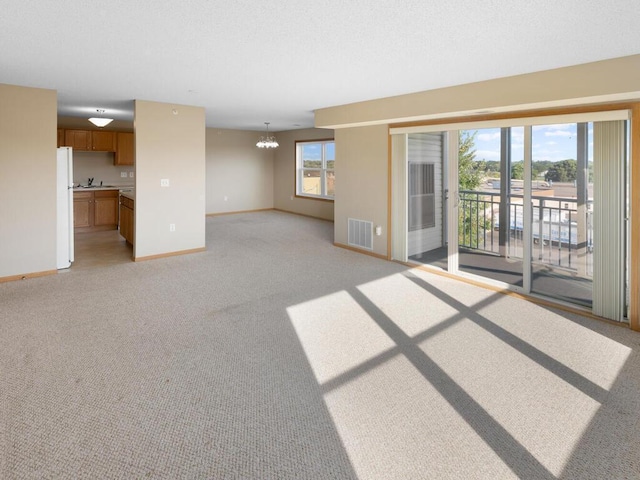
(274, 354)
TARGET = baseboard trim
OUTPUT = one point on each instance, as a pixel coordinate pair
(169, 254)
(267, 210)
(357, 250)
(25, 276)
(302, 214)
(505, 291)
(99, 228)
(237, 212)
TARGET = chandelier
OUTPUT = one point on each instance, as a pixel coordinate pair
(100, 121)
(267, 141)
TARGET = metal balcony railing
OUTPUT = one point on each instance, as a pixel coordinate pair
(562, 236)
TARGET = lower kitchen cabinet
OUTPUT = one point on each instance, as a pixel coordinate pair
(96, 210)
(126, 218)
(83, 209)
(106, 208)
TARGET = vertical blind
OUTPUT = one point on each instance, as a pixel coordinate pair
(609, 211)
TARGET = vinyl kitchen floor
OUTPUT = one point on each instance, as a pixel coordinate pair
(100, 249)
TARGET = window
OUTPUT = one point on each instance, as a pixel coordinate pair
(315, 164)
(422, 206)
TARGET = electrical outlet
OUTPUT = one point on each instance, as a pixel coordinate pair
(164, 182)
(130, 174)
(123, 174)
(172, 227)
(226, 198)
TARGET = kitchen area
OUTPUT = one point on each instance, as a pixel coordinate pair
(103, 194)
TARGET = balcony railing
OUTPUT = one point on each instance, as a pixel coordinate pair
(561, 239)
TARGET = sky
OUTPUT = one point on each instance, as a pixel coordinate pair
(313, 151)
(549, 142)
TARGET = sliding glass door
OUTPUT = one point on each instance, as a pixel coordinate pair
(539, 207)
(562, 200)
(490, 241)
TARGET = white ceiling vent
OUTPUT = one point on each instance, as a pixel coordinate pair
(360, 233)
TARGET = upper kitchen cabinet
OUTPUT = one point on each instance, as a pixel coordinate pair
(78, 139)
(103, 141)
(124, 150)
(90, 140)
(121, 143)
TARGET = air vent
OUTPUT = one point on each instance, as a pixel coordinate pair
(360, 233)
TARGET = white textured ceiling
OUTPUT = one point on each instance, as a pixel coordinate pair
(248, 62)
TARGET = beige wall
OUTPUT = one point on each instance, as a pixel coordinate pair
(82, 123)
(361, 181)
(27, 180)
(608, 80)
(361, 128)
(100, 167)
(239, 175)
(284, 175)
(169, 144)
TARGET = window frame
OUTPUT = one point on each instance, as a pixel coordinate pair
(299, 169)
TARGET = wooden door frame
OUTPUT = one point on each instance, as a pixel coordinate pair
(633, 313)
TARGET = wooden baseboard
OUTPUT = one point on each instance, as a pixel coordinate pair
(169, 254)
(301, 214)
(99, 228)
(237, 212)
(267, 210)
(25, 276)
(364, 252)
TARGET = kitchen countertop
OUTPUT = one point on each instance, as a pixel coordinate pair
(93, 189)
(106, 187)
(128, 195)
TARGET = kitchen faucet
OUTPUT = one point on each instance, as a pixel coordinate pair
(90, 182)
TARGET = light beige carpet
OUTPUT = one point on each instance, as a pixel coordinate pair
(274, 355)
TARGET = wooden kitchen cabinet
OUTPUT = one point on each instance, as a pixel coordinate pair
(82, 209)
(99, 141)
(77, 139)
(126, 218)
(124, 149)
(103, 141)
(106, 208)
(95, 210)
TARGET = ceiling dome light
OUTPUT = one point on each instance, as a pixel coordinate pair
(100, 121)
(267, 141)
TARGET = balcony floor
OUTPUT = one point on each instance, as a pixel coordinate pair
(557, 284)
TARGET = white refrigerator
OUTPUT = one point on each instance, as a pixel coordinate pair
(65, 247)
